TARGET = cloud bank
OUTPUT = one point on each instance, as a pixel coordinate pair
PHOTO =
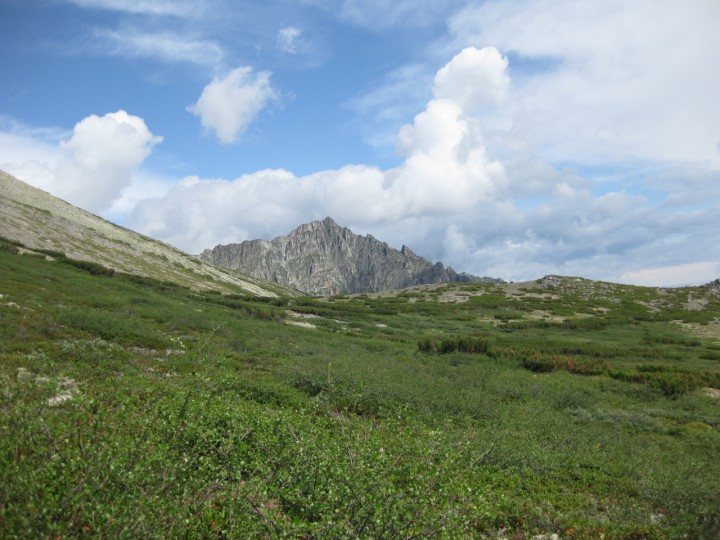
(516, 218)
(607, 81)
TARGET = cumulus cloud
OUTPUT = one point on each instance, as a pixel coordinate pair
(229, 105)
(474, 78)
(93, 166)
(102, 153)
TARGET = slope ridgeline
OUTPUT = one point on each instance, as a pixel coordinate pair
(39, 221)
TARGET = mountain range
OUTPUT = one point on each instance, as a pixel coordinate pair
(322, 258)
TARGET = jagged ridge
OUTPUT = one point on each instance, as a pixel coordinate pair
(323, 258)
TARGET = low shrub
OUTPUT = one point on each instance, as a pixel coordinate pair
(92, 268)
(539, 363)
(543, 363)
(427, 345)
(466, 344)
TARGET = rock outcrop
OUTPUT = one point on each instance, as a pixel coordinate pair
(322, 258)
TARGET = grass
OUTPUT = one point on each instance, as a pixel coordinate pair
(131, 407)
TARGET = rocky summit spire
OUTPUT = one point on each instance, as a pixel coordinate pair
(323, 258)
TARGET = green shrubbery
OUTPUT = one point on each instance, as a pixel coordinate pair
(189, 414)
(465, 344)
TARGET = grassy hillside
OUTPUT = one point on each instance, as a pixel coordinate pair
(40, 221)
(136, 408)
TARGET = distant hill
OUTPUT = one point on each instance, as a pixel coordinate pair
(322, 258)
(40, 221)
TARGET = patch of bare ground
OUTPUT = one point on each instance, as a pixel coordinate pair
(653, 306)
(710, 330)
(711, 392)
(453, 297)
(302, 315)
(528, 289)
(540, 314)
(696, 304)
(67, 388)
(302, 324)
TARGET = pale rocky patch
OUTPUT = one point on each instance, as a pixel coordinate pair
(302, 324)
(67, 387)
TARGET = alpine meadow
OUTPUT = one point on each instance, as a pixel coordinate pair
(560, 408)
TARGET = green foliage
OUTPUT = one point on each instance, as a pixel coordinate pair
(464, 344)
(10, 246)
(132, 407)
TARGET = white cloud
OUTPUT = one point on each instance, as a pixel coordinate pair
(288, 39)
(612, 80)
(28, 152)
(103, 153)
(229, 105)
(446, 172)
(92, 167)
(180, 8)
(475, 78)
(382, 14)
(165, 46)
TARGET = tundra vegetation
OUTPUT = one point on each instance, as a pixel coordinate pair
(131, 407)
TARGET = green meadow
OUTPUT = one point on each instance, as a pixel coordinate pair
(131, 407)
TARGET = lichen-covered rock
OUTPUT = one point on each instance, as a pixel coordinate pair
(323, 258)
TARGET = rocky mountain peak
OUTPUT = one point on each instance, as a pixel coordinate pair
(324, 258)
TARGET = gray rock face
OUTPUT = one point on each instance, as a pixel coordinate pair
(323, 258)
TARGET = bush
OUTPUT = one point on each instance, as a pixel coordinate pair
(542, 363)
(427, 345)
(90, 267)
(674, 384)
(538, 363)
(581, 366)
(466, 344)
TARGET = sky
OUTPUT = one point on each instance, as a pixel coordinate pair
(506, 138)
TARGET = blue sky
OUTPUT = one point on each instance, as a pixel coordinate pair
(505, 138)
